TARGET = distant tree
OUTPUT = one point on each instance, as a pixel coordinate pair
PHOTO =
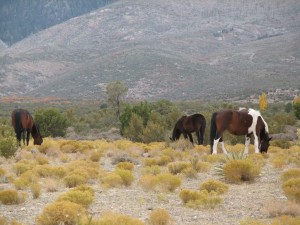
(115, 91)
(288, 107)
(51, 122)
(296, 107)
(263, 102)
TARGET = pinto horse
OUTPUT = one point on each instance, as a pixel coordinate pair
(188, 124)
(246, 122)
(23, 123)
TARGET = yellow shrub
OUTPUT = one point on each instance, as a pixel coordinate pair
(11, 197)
(21, 167)
(35, 190)
(50, 171)
(148, 182)
(214, 185)
(110, 218)
(159, 217)
(48, 145)
(291, 189)
(178, 167)
(126, 175)
(212, 158)
(41, 160)
(74, 180)
(286, 220)
(251, 222)
(199, 199)
(168, 182)
(112, 180)
(25, 180)
(2, 172)
(291, 173)
(63, 212)
(95, 156)
(82, 196)
(257, 158)
(152, 170)
(236, 171)
(151, 161)
(203, 167)
(125, 165)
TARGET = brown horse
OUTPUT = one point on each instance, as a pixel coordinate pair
(23, 123)
(246, 122)
(188, 124)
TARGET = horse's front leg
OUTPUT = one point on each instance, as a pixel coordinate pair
(256, 143)
(200, 141)
(27, 137)
(223, 146)
(191, 138)
(247, 143)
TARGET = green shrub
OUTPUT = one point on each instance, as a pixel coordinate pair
(281, 144)
(83, 197)
(215, 186)
(291, 189)
(51, 122)
(63, 212)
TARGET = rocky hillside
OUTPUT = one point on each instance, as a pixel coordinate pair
(162, 49)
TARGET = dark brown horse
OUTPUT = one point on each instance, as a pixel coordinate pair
(188, 124)
(246, 122)
(23, 123)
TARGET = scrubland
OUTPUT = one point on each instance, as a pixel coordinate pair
(123, 182)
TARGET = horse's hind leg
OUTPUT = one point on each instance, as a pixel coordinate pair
(27, 137)
(199, 137)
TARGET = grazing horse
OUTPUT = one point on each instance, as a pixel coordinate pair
(23, 123)
(246, 122)
(188, 124)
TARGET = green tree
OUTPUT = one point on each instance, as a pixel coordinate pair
(115, 91)
(8, 142)
(296, 107)
(51, 122)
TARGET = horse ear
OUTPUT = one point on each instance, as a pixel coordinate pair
(270, 138)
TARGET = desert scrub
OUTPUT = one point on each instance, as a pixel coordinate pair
(279, 208)
(110, 218)
(163, 182)
(95, 155)
(21, 167)
(11, 197)
(291, 173)
(212, 158)
(291, 189)
(22, 182)
(42, 160)
(160, 217)
(74, 180)
(35, 190)
(82, 195)
(178, 167)
(126, 176)
(125, 165)
(50, 171)
(236, 171)
(111, 180)
(2, 173)
(151, 170)
(257, 158)
(63, 212)
(199, 199)
(48, 145)
(202, 167)
(214, 185)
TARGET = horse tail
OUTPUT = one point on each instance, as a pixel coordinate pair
(213, 129)
(202, 129)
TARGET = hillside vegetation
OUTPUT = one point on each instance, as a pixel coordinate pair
(161, 49)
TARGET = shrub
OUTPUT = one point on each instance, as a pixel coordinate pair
(281, 144)
(51, 122)
(215, 186)
(168, 182)
(63, 212)
(148, 182)
(74, 180)
(110, 218)
(291, 173)
(126, 175)
(159, 217)
(35, 190)
(11, 197)
(82, 196)
(21, 167)
(236, 171)
(41, 160)
(178, 167)
(199, 199)
(151, 170)
(8, 142)
(95, 156)
(279, 208)
(203, 167)
(125, 165)
(291, 189)
(112, 180)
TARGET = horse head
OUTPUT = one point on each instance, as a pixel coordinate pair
(37, 137)
(264, 143)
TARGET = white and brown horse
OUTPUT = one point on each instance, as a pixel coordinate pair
(246, 122)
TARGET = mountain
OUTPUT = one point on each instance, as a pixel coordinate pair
(21, 18)
(208, 49)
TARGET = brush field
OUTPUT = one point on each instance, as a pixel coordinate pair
(145, 184)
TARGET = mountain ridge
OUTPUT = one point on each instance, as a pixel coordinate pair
(167, 49)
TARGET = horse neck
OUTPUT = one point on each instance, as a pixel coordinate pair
(34, 131)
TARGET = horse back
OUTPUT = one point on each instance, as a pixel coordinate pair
(21, 119)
